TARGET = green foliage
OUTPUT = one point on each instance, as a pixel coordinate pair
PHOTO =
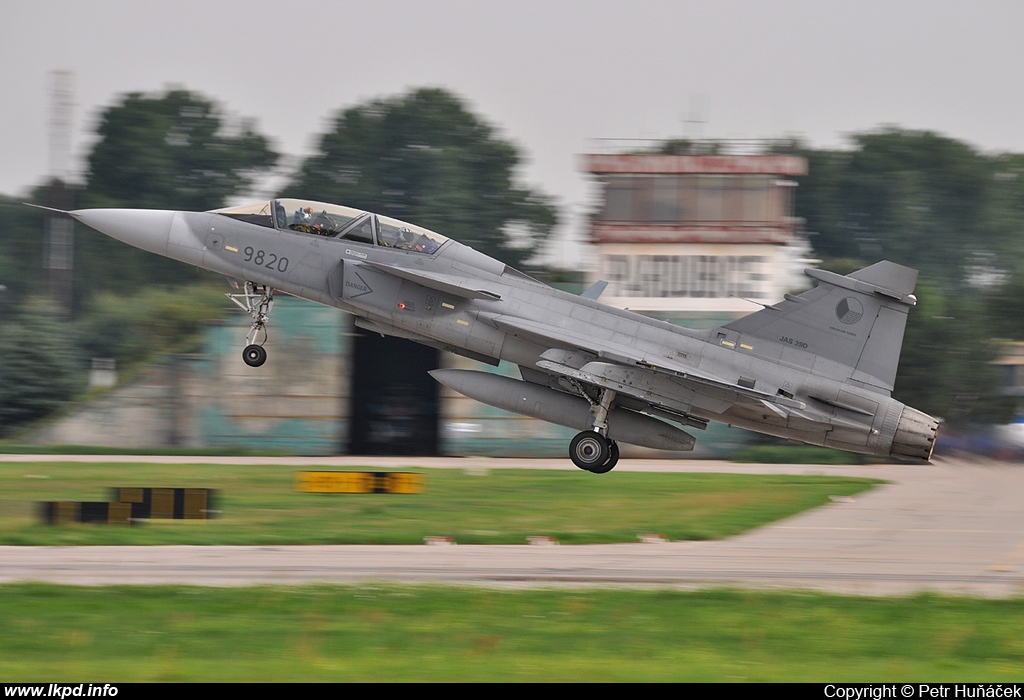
(841, 266)
(1005, 214)
(21, 255)
(1004, 308)
(152, 321)
(172, 151)
(945, 366)
(424, 158)
(918, 198)
(45, 358)
(41, 367)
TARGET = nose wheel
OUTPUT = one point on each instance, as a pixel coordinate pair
(254, 355)
(257, 300)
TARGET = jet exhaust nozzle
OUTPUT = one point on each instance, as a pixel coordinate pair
(915, 435)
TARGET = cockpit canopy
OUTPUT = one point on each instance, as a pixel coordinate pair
(333, 221)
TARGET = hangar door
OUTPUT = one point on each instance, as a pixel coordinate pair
(394, 400)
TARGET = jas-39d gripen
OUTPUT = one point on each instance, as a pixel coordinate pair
(817, 367)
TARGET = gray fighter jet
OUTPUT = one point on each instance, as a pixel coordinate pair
(816, 368)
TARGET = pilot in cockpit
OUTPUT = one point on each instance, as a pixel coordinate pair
(405, 239)
(302, 216)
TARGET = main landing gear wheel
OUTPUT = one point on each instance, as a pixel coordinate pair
(613, 459)
(593, 452)
(254, 355)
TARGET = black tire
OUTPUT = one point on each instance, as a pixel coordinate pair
(589, 450)
(254, 355)
(613, 459)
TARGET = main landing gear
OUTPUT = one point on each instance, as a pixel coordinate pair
(257, 300)
(592, 450)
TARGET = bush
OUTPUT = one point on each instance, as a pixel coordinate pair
(41, 368)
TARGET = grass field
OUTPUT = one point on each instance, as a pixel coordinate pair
(504, 506)
(52, 633)
(392, 633)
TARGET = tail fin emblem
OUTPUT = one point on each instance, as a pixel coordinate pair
(849, 311)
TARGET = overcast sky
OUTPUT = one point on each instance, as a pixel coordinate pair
(552, 75)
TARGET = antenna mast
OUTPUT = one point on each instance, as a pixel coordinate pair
(59, 229)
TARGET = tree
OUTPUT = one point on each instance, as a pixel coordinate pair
(174, 150)
(917, 198)
(424, 158)
(1004, 308)
(41, 367)
(21, 255)
(945, 366)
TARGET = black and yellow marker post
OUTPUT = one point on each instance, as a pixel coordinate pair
(131, 505)
(358, 482)
(100, 512)
(168, 504)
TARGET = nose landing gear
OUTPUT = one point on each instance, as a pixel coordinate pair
(257, 300)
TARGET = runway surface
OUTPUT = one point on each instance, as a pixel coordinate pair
(954, 527)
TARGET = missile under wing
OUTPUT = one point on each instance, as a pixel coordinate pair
(817, 367)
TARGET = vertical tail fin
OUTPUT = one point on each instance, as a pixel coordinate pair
(855, 320)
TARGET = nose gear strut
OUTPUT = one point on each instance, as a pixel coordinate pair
(257, 300)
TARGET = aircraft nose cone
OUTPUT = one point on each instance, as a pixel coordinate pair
(142, 228)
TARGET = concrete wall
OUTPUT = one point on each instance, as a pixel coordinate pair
(145, 413)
